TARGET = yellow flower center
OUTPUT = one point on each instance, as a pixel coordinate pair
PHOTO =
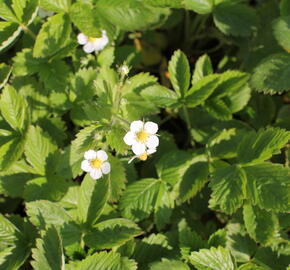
(142, 136)
(143, 157)
(91, 39)
(96, 163)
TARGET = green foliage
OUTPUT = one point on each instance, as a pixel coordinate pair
(281, 28)
(201, 7)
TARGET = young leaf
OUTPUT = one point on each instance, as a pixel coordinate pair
(257, 147)
(212, 259)
(55, 5)
(200, 6)
(179, 71)
(228, 188)
(53, 36)
(139, 199)
(48, 254)
(261, 225)
(92, 199)
(281, 28)
(203, 67)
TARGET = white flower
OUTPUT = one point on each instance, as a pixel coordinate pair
(144, 155)
(124, 69)
(142, 136)
(95, 163)
(92, 44)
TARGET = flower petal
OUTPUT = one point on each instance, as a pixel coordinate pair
(138, 148)
(106, 167)
(151, 127)
(101, 43)
(151, 151)
(96, 173)
(152, 141)
(102, 155)
(129, 138)
(86, 166)
(82, 39)
(136, 126)
(90, 155)
(89, 47)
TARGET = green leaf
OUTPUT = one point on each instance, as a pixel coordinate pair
(284, 7)
(200, 6)
(257, 147)
(53, 36)
(7, 232)
(139, 199)
(6, 12)
(212, 259)
(55, 5)
(271, 75)
(165, 3)
(48, 254)
(9, 32)
(179, 72)
(169, 265)
(201, 90)
(25, 10)
(235, 19)
(14, 109)
(37, 148)
(84, 17)
(114, 138)
(5, 72)
(269, 186)
(203, 67)
(228, 188)
(281, 28)
(111, 233)
(218, 109)
(261, 225)
(92, 199)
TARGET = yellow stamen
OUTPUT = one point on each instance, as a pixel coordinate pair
(143, 157)
(91, 39)
(96, 163)
(142, 136)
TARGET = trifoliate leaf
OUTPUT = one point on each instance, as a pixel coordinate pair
(169, 265)
(212, 259)
(179, 72)
(203, 67)
(228, 188)
(9, 32)
(261, 224)
(55, 5)
(139, 198)
(111, 233)
(200, 6)
(53, 36)
(235, 19)
(5, 71)
(281, 28)
(48, 254)
(269, 186)
(271, 75)
(257, 147)
(92, 199)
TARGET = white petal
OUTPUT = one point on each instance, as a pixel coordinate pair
(96, 173)
(151, 127)
(106, 167)
(82, 39)
(129, 138)
(101, 43)
(86, 166)
(138, 148)
(89, 47)
(136, 126)
(90, 155)
(151, 151)
(102, 155)
(152, 141)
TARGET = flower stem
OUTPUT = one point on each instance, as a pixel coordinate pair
(187, 119)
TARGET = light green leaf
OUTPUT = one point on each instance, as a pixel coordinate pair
(228, 188)
(7, 232)
(203, 67)
(37, 148)
(169, 265)
(6, 12)
(111, 233)
(261, 225)
(271, 75)
(257, 147)
(179, 72)
(201, 90)
(92, 199)
(139, 199)
(200, 6)
(14, 109)
(281, 28)
(5, 71)
(114, 138)
(165, 3)
(235, 19)
(239, 99)
(48, 254)
(55, 5)
(212, 259)
(84, 17)
(25, 10)
(9, 32)
(269, 186)
(218, 109)
(53, 36)
(218, 238)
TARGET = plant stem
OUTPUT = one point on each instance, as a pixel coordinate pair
(28, 31)
(187, 119)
